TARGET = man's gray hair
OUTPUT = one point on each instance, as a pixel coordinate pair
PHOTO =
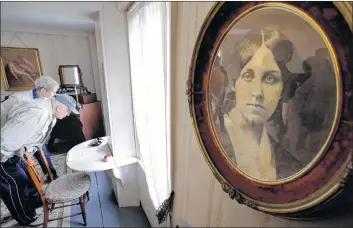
(47, 83)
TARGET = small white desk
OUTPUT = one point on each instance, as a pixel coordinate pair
(85, 158)
(91, 159)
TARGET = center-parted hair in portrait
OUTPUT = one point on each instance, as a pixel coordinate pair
(260, 107)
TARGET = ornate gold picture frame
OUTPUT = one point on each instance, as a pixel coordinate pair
(20, 67)
(270, 94)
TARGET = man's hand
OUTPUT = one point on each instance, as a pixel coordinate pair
(22, 151)
(32, 148)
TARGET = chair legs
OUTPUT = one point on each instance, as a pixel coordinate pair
(46, 214)
(83, 209)
(87, 194)
(82, 202)
(52, 207)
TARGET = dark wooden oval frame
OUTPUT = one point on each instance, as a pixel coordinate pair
(313, 192)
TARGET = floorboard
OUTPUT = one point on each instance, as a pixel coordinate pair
(103, 210)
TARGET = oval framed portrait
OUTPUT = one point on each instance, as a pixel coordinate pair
(271, 98)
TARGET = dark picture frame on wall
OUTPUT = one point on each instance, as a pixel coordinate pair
(270, 94)
(20, 67)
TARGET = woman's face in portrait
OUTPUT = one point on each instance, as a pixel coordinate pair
(259, 86)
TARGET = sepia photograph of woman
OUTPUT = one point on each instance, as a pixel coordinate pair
(253, 116)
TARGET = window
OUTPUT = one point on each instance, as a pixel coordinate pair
(149, 29)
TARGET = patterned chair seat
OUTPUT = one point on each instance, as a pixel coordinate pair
(68, 187)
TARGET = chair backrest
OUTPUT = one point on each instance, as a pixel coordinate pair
(35, 176)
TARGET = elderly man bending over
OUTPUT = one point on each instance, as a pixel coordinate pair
(26, 124)
(45, 87)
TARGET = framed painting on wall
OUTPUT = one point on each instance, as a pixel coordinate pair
(270, 94)
(20, 67)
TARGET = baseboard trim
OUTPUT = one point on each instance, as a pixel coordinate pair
(146, 214)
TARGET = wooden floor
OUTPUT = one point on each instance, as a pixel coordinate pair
(102, 209)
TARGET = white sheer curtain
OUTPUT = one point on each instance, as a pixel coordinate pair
(148, 24)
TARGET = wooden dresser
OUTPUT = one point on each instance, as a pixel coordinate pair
(91, 116)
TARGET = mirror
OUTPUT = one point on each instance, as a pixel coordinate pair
(70, 75)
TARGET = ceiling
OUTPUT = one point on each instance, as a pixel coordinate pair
(66, 15)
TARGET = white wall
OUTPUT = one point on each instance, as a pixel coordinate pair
(113, 54)
(95, 68)
(116, 66)
(199, 200)
(56, 47)
(101, 75)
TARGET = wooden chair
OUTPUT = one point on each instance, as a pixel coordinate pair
(65, 189)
